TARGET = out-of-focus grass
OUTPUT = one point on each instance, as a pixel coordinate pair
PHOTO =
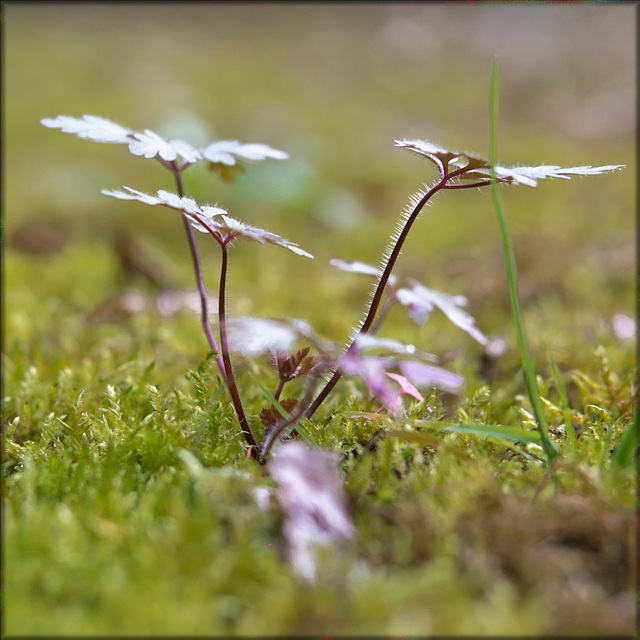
(106, 529)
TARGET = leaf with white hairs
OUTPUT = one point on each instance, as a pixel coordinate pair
(209, 219)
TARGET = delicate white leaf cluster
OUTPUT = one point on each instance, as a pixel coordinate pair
(421, 301)
(151, 145)
(478, 168)
(311, 495)
(208, 219)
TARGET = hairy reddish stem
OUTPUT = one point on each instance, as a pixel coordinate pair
(226, 358)
(195, 258)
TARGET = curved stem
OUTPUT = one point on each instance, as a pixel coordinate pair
(195, 258)
(226, 358)
(377, 296)
(281, 384)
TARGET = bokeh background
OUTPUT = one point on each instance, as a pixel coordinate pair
(333, 85)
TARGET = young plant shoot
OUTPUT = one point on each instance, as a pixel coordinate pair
(380, 362)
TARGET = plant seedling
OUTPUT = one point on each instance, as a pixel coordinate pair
(253, 336)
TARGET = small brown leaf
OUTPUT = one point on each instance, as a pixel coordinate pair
(271, 417)
(308, 364)
(287, 367)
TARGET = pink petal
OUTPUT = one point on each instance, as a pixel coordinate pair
(405, 386)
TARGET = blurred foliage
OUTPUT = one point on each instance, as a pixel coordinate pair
(107, 530)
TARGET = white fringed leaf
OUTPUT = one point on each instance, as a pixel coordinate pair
(478, 167)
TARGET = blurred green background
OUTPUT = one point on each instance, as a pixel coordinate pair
(333, 85)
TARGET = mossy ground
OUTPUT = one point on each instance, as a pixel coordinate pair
(127, 498)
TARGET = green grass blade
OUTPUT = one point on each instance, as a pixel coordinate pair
(564, 404)
(510, 265)
(624, 455)
(493, 430)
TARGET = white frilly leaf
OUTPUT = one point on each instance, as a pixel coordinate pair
(255, 152)
(150, 145)
(207, 219)
(90, 128)
(479, 167)
(189, 154)
(221, 152)
(228, 151)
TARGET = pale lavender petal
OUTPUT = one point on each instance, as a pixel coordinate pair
(624, 326)
(418, 307)
(421, 300)
(405, 386)
(311, 495)
(364, 341)
(426, 375)
(372, 370)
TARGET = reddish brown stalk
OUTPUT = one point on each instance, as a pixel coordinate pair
(195, 258)
(226, 358)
